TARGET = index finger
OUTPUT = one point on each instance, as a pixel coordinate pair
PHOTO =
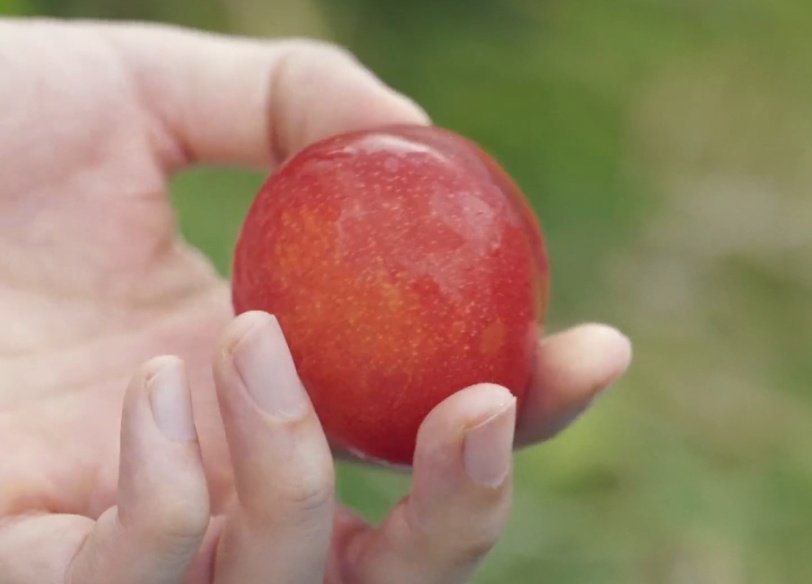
(224, 99)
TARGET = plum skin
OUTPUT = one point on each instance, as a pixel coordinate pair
(403, 265)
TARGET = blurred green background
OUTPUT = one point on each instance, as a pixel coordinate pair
(667, 147)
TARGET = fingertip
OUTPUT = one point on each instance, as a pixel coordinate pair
(143, 376)
(609, 344)
(161, 384)
(442, 434)
(582, 360)
(405, 110)
(259, 362)
(358, 99)
(241, 324)
(488, 447)
(465, 409)
(622, 352)
(572, 368)
(238, 333)
(159, 436)
(465, 443)
(492, 394)
(170, 400)
(152, 366)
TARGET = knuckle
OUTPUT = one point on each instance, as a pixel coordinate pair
(482, 538)
(477, 547)
(302, 494)
(475, 532)
(311, 492)
(310, 487)
(316, 51)
(179, 520)
(302, 504)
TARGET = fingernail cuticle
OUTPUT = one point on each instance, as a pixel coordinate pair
(487, 451)
(264, 364)
(171, 403)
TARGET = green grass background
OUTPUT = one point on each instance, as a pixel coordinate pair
(667, 147)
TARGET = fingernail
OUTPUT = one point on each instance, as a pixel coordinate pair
(263, 361)
(170, 401)
(488, 447)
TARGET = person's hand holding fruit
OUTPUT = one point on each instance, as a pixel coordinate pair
(183, 478)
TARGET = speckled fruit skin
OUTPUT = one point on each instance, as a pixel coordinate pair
(403, 265)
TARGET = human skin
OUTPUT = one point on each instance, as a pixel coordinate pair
(113, 476)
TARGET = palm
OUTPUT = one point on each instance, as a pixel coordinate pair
(94, 278)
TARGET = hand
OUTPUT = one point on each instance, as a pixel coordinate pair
(94, 280)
